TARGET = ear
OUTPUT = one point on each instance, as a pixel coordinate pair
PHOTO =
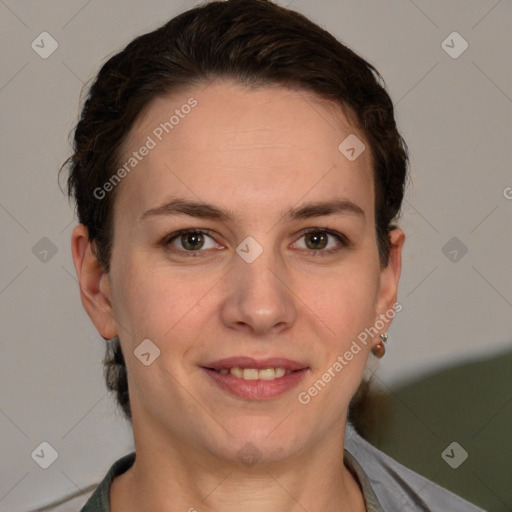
(390, 276)
(94, 283)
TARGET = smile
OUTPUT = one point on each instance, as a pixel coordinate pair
(253, 379)
(254, 373)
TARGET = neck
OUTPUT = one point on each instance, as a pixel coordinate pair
(172, 479)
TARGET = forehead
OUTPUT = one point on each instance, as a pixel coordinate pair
(224, 142)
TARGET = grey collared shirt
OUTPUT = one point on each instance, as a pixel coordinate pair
(388, 486)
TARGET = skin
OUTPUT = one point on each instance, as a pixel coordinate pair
(258, 153)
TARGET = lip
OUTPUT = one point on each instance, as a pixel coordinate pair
(259, 364)
(256, 389)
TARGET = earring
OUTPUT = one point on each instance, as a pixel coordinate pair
(379, 350)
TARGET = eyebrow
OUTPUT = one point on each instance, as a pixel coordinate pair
(203, 210)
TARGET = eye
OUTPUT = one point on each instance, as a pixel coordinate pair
(190, 241)
(317, 240)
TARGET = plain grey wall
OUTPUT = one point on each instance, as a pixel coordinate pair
(455, 114)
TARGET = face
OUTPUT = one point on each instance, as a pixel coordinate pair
(277, 271)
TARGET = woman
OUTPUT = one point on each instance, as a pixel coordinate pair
(237, 174)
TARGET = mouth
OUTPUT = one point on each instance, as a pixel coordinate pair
(254, 373)
(256, 379)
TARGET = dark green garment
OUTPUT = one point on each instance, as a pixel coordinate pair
(99, 501)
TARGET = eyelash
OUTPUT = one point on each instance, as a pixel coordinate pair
(342, 239)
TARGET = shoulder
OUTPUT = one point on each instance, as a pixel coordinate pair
(397, 487)
(99, 501)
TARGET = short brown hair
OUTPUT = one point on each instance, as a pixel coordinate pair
(255, 43)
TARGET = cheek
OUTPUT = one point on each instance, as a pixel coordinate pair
(158, 303)
(159, 307)
(346, 301)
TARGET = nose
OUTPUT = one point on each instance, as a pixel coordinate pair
(259, 297)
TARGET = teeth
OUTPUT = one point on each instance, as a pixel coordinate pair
(250, 374)
(255, 374)
(237, 372)
(267, 374)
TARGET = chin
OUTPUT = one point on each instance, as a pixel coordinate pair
(261, 440)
